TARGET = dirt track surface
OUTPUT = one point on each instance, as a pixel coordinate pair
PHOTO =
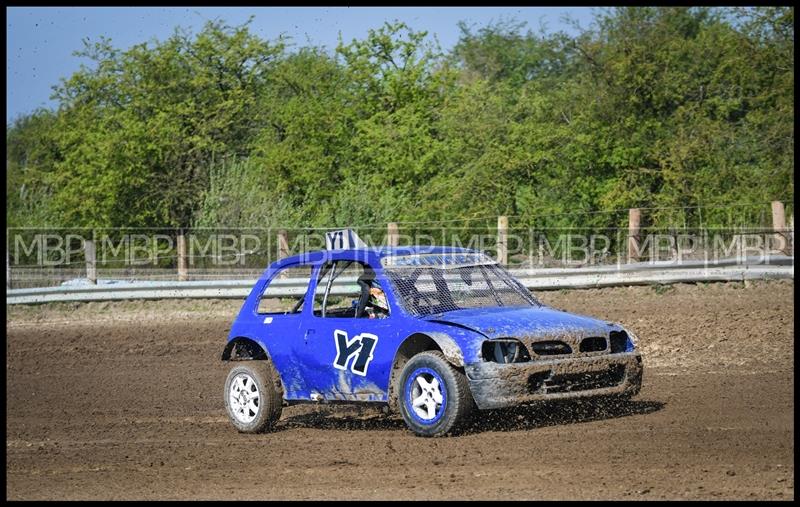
(124, 401)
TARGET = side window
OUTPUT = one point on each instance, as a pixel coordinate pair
(354, 292)
(292, 279)
(323, 278)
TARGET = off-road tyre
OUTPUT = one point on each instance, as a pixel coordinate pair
(451, 412)
(260, 382)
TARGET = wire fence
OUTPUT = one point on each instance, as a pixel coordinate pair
(48, 257)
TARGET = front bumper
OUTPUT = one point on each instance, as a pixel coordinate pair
(495, 385)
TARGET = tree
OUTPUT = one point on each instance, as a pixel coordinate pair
(141, 128)
(658, 107)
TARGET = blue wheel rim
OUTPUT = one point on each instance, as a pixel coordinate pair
(413, 390)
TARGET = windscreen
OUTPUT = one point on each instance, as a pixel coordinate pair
(427, 285)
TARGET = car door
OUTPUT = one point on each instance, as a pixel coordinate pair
(279, 318)
(348, 356)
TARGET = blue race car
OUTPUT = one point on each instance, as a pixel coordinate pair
(432, 332)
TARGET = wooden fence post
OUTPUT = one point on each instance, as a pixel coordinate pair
(392, 234)
(91, 260)
(502, 240)
(283, 244)
(673, 243)
(183, 272)
(779, 227)
(8, 271)
(634, 218)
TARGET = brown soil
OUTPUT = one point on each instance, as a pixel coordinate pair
(124, 401)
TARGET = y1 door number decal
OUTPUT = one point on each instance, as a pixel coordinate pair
(360, 346)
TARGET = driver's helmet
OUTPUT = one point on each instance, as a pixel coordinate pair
(377, 298)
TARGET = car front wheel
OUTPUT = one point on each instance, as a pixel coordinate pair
(252, 398)
(435, 397)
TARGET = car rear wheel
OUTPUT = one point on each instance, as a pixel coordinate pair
(252, 397)
(434, 396)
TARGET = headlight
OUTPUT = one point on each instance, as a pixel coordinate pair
(622, 341)
(504, 351)
(633, 339)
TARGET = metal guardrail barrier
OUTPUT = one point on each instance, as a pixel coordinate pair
(538, 279)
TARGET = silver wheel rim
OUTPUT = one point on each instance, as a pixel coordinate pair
(426, 397)
(244, 398)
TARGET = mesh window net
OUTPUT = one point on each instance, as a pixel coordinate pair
(442, 285)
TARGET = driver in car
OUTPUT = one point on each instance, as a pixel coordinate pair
(377, 306)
